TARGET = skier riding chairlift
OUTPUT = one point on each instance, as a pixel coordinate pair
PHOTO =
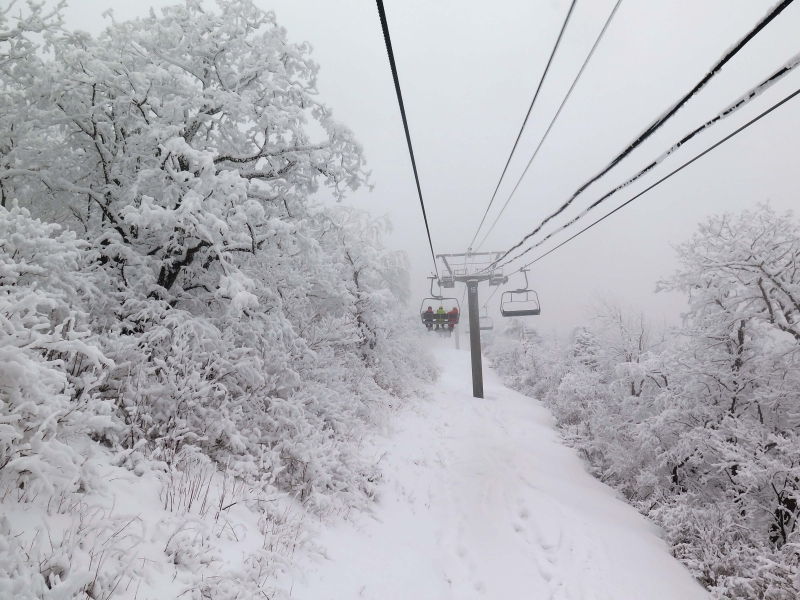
(427, 318)
(440, 317)
(452, 318)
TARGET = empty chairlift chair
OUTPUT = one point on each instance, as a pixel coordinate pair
(520, 303)
(485, 321)
(496, 277)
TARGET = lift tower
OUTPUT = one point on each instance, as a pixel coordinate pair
(471, 268)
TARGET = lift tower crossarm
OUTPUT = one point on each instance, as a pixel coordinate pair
(444, 260)
(434, 295)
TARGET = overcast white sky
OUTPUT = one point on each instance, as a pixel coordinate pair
(469, 69)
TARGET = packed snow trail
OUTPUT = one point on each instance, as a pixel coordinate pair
(481, 499)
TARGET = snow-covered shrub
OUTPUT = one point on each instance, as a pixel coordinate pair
(89, 556)
(50, 362)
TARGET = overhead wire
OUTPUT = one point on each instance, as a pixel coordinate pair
(658, 122)
(552, 122)
(728, 111)
(683, 166)
(387, 39)
(525, 121)
(490, 296)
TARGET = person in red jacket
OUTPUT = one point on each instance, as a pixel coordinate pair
(452, 318)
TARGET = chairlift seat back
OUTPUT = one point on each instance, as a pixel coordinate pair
(496, 278)
(436, 318)
(520, 303)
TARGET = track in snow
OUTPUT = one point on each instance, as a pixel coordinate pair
(481, 500)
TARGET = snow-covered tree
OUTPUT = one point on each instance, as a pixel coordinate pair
(728, 422)
(745, 268)
(171, 294)
(19, 66)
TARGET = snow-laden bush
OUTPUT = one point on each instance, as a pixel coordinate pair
(700, 429)
(50, 362)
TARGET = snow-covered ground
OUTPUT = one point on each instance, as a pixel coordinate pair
(481, 499)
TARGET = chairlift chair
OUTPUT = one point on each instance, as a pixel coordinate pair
(496, 278)
(485, 321)
(523, 302)
(446, 321)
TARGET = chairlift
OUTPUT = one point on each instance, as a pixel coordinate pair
(523, 302)
(496, 278)
(485, 321)
(444, 313)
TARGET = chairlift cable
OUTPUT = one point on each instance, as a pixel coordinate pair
(683, 166)
(659, 121)
(490, 296)
(552, 122)
(525, 121)
(729, 110)
(387, 39)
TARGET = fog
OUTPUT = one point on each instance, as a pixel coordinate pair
(468, 71)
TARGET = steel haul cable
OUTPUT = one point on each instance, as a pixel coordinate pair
(731, 109)
(683, 166)
(387, 39)
(663, 118)
(552, 122)
(525, 121)
(490, 296)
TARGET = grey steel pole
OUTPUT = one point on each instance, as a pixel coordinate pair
(475, 338)
(456, 330)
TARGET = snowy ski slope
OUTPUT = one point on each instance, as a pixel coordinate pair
(481, 500)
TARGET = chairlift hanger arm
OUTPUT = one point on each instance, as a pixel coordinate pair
(527, 285)
(439, 295)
